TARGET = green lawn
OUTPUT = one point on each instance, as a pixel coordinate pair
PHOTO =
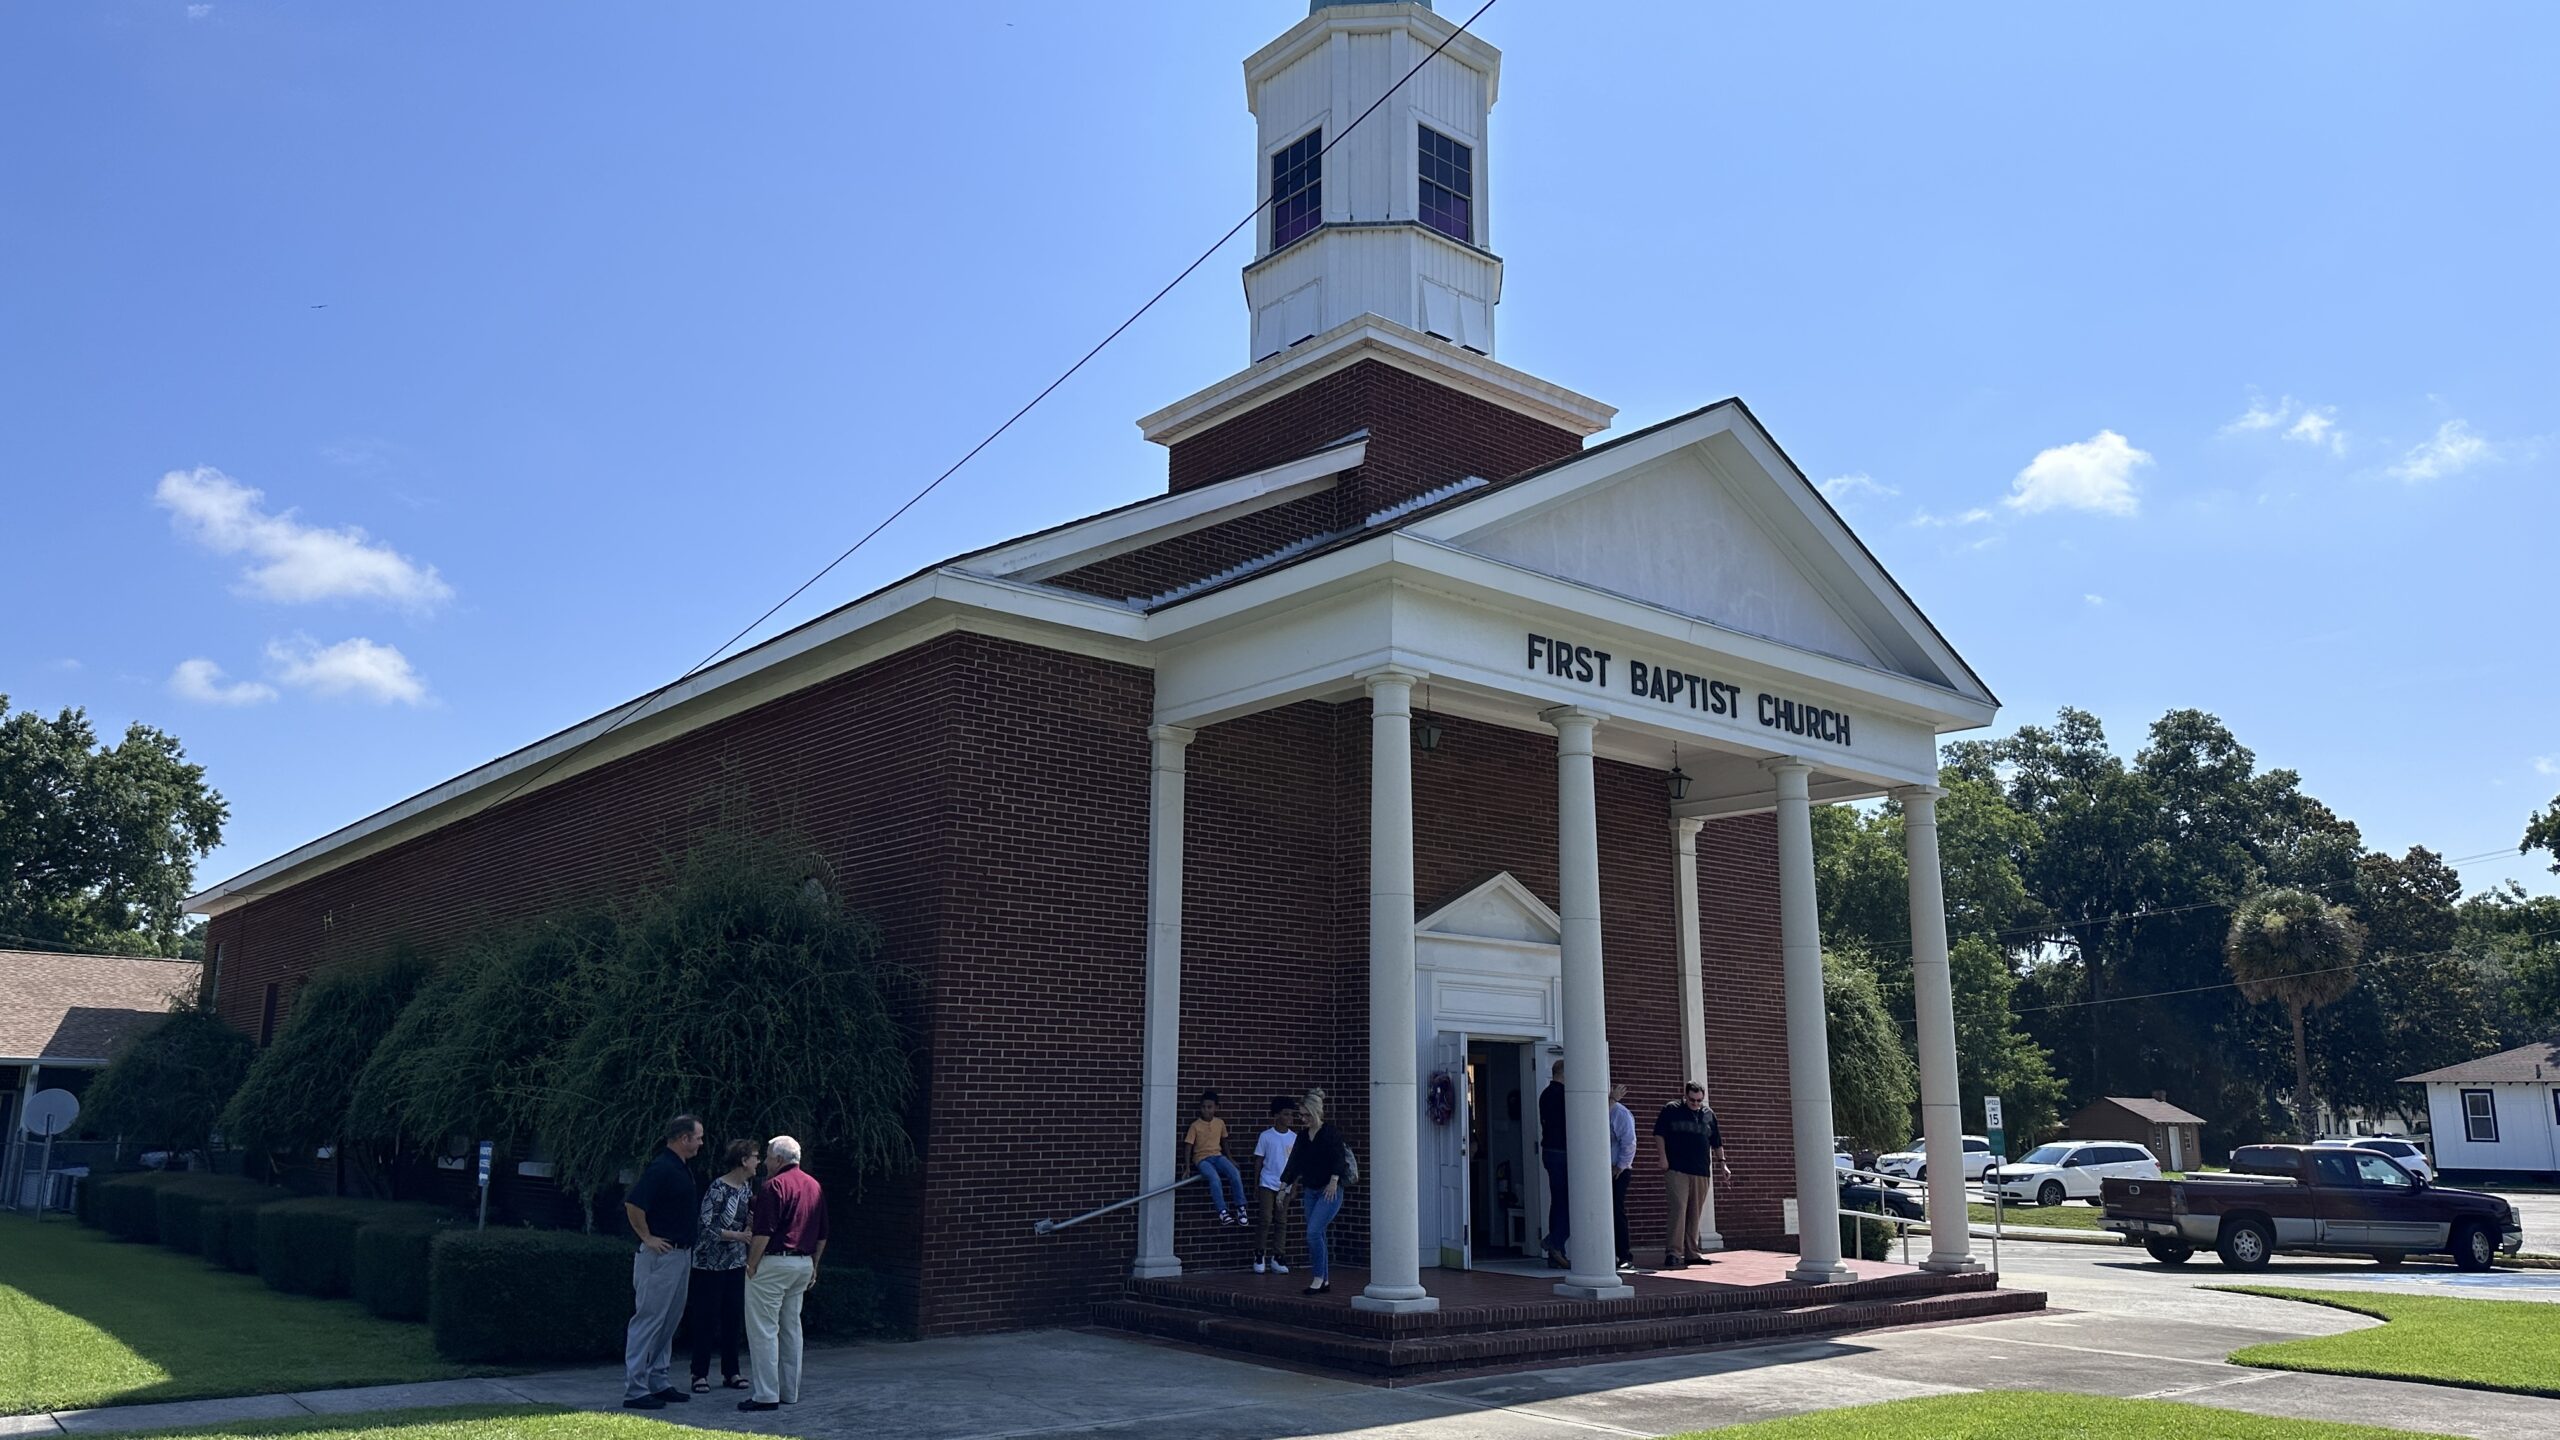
(2478, 1344)
(2019, 1414)
(512, 1422)
(85, 1321)
(2073, 1216)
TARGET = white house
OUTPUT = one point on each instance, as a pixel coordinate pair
(2499, 1112)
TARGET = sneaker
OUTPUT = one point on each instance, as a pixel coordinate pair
(1277, 1268)
(1226, 1217)
(644, 1402)
(1257, 1265)
(759, 1404)
(674, 1396)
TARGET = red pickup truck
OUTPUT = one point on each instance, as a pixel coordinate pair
(2301, 1199)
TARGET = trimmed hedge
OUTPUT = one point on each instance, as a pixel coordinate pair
(308, 1247)
(184, 1206)
(388, 1271)
(231, 1229)
(128, 1205)
(850, 1303)
(518, 1296)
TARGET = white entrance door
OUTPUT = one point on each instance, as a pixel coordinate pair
(1449, 1149)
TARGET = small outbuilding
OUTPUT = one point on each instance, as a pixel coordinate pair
(63, 1017)
(2499, 1114)
(2174, 1135)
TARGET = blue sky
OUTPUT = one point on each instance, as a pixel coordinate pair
(2174, 356)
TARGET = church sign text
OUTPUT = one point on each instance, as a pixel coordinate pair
(1588, 665)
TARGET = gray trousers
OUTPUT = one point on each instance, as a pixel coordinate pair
(658, 1286)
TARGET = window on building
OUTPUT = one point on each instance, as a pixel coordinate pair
(2480, 1117)
(213, 976)
(267, 1017)
(1448, 186)
(1297, 188)
(2555, 1107)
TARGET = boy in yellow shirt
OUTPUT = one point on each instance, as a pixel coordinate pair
(1206, 1143)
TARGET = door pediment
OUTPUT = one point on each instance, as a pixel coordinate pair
(1499, 909)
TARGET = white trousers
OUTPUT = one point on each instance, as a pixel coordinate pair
(774, 1293)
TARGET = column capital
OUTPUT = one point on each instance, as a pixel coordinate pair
(1787, 765)
(1377, 676)
(1171, 734)
(1910, 795)
(1684, 832)
(1561, 716)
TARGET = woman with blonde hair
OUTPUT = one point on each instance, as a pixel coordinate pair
(1319, 1165)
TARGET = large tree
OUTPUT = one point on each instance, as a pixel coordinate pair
(2300, 951)
(1873, 1082)
(98, 843)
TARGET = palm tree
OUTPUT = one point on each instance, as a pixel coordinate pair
(2294, 948)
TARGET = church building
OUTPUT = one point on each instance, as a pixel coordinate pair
(1417, 731)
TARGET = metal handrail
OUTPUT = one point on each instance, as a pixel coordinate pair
(1052, 1227)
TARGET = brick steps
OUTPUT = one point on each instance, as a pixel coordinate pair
(1309, 1332)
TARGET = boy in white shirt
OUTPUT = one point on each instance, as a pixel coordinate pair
(1270, 1197)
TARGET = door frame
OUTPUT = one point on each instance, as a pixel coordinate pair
(1488, 965)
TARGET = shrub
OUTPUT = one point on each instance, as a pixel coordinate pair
(1865, 1239)
(518, 1296)
(170, 1085)
(295, 1097)
(128, 1206)
(388, 1271)
(231, 1229)
(184, 1209)
(851, 1304)
(472, 1053)
(308, 1247)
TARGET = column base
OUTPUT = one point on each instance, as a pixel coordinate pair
(1812, 1275)
(1710, 1243)
(1953, 1265)
(1155, 1267)
(1418, 1303)
(1580, 1287)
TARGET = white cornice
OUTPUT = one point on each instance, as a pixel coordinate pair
(1374, 337)
(1427, 26)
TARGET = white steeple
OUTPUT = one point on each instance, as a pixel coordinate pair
(1394, 221)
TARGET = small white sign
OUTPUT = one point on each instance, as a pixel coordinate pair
(1991, 1113)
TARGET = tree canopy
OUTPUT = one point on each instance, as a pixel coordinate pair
(98, 843)
(2300, 951)
(168, 1087)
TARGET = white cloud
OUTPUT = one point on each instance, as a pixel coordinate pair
(2452, 450)
(1927, 521)
(66, 663)
(2317, 427)
(2095, 474)
(293, 562)
(2093, 599)
(359, 668)
(202, 681)
(1840, 487)
(198, 12)
(2546, 764)
(2259, 417)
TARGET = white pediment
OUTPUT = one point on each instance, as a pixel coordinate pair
(1705, 518)
(1499, 909)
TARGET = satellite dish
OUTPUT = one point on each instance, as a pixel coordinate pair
(50, 1113)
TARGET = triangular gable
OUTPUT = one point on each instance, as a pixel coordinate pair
(1707, 518)
(1499, 909)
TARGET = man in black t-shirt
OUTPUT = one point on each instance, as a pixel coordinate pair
(1692, 1155)
(664, 1211)
(1551, 1155)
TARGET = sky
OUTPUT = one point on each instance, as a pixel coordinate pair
(384, 387)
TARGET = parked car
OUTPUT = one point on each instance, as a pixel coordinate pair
(2322, 1199)
(2069, 1170)
(1873, 1198)
(1913, 1164)
(2411, 1158)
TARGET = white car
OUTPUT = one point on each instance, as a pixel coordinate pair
(2411, 1158)
(1913, 1164)
(2069, 1170)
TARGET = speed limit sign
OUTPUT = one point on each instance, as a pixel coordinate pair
(1991, 1112)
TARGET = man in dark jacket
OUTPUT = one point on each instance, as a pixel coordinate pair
(1551, 1155)
(663, 1210)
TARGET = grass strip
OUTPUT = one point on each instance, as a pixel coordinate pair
(2441, 1340)
(2043, 1415)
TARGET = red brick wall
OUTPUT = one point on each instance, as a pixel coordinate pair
(1422, 434)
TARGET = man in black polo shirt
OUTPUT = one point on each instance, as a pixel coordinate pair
(664, 1212)
(1692, 1154)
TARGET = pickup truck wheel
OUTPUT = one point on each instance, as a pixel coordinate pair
(2474, 1248)
(2050, 1193)
(2247, 1245)
(2170, 1252)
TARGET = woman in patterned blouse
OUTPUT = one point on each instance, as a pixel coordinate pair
(716, 1307)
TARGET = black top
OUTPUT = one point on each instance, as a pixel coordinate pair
(664, 1192)
(1551, 1116)
(1315, 1161)
(1687, 1137)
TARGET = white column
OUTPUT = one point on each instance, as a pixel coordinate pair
(1808, 1034)
(1160, 1098)
(1934, 1009)
(1693, 995)
(1395, 1138)
(1592, 1253)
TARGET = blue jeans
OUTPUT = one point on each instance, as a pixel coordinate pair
(1320, 1213)
(1222, 1179)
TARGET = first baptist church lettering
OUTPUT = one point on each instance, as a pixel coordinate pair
(1590, 665)
(1202, 839)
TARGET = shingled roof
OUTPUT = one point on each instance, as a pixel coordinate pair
(83, 1009)
(2527, 1063)
(2157, 1112)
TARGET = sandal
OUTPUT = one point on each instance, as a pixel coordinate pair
(735, 1382)
(701, 1387)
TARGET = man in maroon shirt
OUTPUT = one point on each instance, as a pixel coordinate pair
(788, 1230)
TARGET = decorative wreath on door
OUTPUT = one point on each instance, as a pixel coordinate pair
(1441, 1098)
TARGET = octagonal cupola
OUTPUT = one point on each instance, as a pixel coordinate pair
(1389, 218)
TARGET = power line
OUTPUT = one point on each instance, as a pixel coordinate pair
(635, 707)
